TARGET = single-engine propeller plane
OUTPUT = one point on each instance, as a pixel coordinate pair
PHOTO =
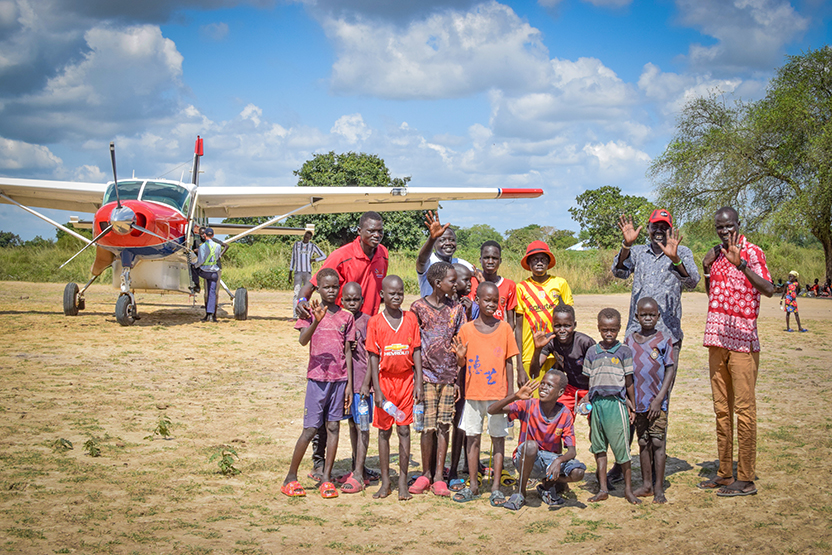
(142, 227)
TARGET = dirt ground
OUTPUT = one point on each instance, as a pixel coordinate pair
(241, 385)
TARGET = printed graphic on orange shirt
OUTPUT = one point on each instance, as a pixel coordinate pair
(475, 368)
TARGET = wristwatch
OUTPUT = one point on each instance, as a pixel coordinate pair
(742, 265)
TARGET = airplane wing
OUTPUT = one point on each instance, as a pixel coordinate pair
(62, 195)
(239, 202)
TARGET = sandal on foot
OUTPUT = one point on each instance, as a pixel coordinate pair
(803, 330)
(712, 484)
(515, 502)
(328, 490)
(420, 485)
(497, 499)
(549, 497)
(315, 475)
(457, 484)
(506, 479)
(371, 475)
(344, 477)
(728, 491)
(790, 330)
(293, 489)
(351, 485)
(440, 488)
(464, 495)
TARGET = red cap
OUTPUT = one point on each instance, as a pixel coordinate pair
(661, 215)
(536, 247)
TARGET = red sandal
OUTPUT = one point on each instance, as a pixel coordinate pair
(351, 485)
(293, 489)
(328, 490)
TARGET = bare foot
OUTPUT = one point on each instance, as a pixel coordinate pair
(643, 491)
(659, 498)
(383, 491)
(602, 495)
(628, 495)
(404, 495)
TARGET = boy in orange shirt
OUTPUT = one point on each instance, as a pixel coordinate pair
(395, 359)
(484, 349)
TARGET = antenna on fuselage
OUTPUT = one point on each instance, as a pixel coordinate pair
(115, 179)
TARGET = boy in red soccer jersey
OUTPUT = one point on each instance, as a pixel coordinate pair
(394, 351)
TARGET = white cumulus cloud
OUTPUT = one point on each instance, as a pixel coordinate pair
(447, 54)
(16, 155)
(352, 128)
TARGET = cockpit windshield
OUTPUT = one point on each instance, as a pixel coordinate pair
(127, 190)
(166, 193)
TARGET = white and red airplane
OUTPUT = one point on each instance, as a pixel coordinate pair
(142, 227)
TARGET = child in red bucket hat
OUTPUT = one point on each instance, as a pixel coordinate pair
(537, 296)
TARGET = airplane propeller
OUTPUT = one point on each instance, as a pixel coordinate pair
(122, 218)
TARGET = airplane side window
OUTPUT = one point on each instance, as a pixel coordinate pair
(127, 190)
(166, 193)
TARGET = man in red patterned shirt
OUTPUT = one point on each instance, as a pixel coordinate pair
(735, 276)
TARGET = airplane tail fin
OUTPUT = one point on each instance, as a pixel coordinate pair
(197, 155)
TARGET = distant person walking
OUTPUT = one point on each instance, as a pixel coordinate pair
(788, 300)
(735, 276)
(300, 267)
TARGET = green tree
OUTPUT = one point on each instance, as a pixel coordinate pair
(402, 230)
(473, 237)
(598, 211)
(518, 239)
(9, 239)
(771, 159)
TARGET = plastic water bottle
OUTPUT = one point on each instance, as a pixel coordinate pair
(394, 411)
(510, 430)
(419, 417)
(363, 415)
(585, 409)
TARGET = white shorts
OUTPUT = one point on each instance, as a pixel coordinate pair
(473, 415)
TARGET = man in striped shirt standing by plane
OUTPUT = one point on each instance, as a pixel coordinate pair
(301, 265)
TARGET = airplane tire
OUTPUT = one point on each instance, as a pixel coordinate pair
(71, 299)
(241, 304)
(124, 311)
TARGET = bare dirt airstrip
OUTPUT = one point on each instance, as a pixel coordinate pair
(241, 384)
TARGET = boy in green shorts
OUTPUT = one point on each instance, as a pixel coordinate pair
(609, 366)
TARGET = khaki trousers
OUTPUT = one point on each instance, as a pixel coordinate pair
(733, 379)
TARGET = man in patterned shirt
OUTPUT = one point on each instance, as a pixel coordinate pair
(735, 276)
(300, 267)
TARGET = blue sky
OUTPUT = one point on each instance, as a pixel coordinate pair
(566, 95)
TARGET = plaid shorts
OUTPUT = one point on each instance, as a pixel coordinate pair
(439, 404)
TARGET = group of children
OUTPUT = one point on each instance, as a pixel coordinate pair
(457, 354)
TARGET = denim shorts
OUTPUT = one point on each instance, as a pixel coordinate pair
(544, 459)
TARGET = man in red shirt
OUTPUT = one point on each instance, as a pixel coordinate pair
(735, 276)
(363, 261)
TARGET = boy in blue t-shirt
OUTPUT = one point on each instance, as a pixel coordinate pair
(609, 366)
(654, 371)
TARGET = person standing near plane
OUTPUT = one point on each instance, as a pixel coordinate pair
(300, 267)
(208, 265)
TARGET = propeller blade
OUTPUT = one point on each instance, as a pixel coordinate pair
(143, 230)
(94, 241)
(115, 178)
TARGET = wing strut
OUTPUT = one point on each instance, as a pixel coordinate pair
(271, 222)
(44, 218)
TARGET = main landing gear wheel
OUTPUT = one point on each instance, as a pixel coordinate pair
(241, 304)
(71, 302)
(125, 311)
